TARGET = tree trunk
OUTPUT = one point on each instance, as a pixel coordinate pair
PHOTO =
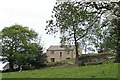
(77, 55)
(10, 65)
(117, 59)
(76, 48)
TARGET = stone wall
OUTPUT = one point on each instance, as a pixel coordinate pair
(93, 58)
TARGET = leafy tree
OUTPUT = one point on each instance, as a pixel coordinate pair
(115, 29)
(112, 38)
(19, 45)
(74, 20)
(100, 35)
(40, 57)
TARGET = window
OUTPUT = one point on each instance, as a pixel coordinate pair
(68, 58)
(52, 52)
(52, 59)
(60, 55)
(68, 52)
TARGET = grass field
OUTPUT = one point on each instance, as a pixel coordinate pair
(93, 71)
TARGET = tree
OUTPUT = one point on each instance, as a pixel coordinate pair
(115, 30)
(18, 45)
(112, 39)
(40, 57)
(74, 21)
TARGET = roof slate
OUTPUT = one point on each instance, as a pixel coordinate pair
(57, 47)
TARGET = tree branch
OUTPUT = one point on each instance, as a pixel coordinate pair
(91, 25)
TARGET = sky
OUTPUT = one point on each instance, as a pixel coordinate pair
(30, 13)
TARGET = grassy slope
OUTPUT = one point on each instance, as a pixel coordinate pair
(98, 71)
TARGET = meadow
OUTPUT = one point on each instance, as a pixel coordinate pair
(109, 70)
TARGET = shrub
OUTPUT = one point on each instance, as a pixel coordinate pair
(81, 63)
(93, 63)
(53, 64)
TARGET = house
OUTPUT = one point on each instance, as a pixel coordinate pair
(58, 53)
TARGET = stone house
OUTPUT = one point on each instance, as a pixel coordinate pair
(58, 53)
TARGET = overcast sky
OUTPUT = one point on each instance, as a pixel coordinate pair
(30, 13)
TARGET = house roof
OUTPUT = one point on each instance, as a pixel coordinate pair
(57, 47)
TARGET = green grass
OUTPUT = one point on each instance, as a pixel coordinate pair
(93, 71)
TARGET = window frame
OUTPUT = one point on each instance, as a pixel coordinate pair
(52, 52)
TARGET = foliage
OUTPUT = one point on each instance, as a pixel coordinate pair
(115, 30)
(82, 22)
(73, 20)
(93, 63)
(59, 63)
(40, 58)
(111, 24)
(19, 46)
(101, 61)
(81, 63)
(111, 38)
